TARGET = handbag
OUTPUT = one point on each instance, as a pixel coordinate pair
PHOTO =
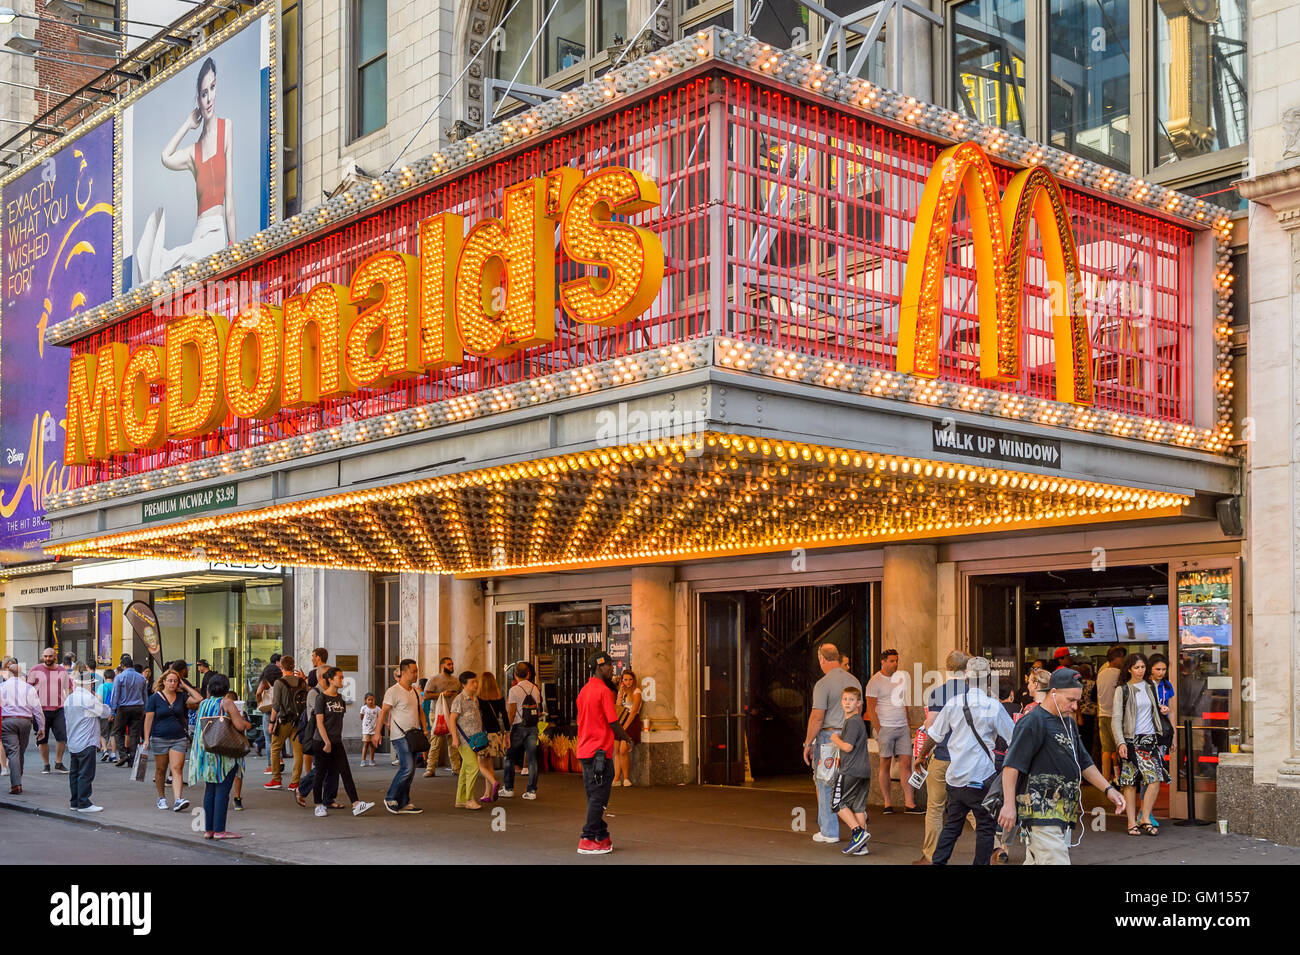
(478, 742)
(993, 797)
(415, 739)
(220, 738)
(264, 702)
(440, 717)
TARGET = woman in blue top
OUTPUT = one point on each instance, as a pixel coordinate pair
(167, 733)
(217, 772)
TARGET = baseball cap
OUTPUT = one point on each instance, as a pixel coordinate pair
(1061, 652)
(1065, 679)
(599, 658)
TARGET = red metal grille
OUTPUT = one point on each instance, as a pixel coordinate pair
(817, 212)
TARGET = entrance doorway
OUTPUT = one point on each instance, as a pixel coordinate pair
(758, 668)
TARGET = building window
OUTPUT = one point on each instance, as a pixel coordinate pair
(369, 66)
(386, 631)
(579, 40)
(1200, 77)
(290, 80)
(1088, 91)
(988, 52)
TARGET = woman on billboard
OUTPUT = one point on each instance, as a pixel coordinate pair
(210, 161)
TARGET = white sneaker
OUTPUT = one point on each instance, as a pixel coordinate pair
(523, 771)
(4, 770)
(320, 811)
(360, 807)
(505, 794)
(627, 782)
(162, 803)
(818, 837)
(397, 762)
(91, 808)
(529, 794)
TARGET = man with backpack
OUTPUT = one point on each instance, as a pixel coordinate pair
(288, 704)
(524, 709)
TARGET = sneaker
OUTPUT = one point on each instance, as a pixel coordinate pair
(105, 757)
(181, 805)
(60, 768)
(320, 811)
(914, 811)
(391, 806)
(46, 770)
(4, 770)
(818, 837)
(523, 771)
(856, 842)
(590, 847)
(273, 785)
(162, 803)
(397, 762)
(239, 804)
(506, 793)
(862, 849)
(361, 807)
(530, 795)
(627, 782)
(292, 787)
(91, 808)
(410, 810)
(267, 771)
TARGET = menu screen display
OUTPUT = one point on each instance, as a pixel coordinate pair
(1205, 608)
(1142, 624)
(1088, 625)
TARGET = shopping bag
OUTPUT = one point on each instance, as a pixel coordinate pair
(828, 763)
(441, 718)
(141, 762)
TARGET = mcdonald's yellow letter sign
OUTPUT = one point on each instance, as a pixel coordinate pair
(1001, 236)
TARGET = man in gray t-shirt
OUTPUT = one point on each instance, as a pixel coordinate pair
(826, 718)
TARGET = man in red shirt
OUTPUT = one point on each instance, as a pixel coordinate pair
(53, 684)
(598, 727)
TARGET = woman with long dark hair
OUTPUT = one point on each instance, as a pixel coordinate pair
(210, 159)
(331, 758)
(1137, 723)
(217, 773)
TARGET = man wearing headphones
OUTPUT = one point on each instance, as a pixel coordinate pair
(1046, 747)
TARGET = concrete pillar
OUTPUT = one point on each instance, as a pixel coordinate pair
(468, 639)
(948, 629)
(654, 658)
(909, 604)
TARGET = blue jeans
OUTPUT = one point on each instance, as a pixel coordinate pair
(81, 777)
(216, 802)
(523, 741)
(399, 790)
(827, 821)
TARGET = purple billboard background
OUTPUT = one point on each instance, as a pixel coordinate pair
(56, 259)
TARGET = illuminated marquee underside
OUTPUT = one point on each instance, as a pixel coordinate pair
(705, 495)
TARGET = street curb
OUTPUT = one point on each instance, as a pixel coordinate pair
(202, 844)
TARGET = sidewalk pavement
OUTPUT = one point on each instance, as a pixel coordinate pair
(671, 825)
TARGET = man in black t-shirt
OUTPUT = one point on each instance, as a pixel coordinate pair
(1046, 748)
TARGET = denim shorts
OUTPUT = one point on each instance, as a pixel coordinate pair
(160, 747)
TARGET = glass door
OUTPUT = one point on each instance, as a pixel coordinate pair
(722, 759)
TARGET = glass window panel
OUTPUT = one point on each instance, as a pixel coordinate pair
(989, 62)
(782, 23)
(372, 29)
(613, 20)
(721, 20)
(1089, 83)
(566, 36)
(1200, 77)
(515, 36)
(289, 54)
(290, 105)
(372, 98)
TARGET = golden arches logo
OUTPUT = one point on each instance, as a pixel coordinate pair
(1000, 227)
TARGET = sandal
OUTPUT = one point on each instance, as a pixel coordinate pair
(1147, 829)
(1135, 830)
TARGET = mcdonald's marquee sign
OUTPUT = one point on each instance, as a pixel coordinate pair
(491, 291)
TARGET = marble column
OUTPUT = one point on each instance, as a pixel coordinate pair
(909, 617)
(468, 639)
(654, 659)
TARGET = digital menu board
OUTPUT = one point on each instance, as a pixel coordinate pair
(1088, 624)
(1205, 608)
(1143, 623)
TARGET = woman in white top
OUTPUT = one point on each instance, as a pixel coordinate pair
(1137, 722)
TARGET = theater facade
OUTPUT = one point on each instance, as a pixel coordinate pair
(712, 360)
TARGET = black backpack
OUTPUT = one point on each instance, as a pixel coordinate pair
(530, 710)
(306, 728)
(297, 702)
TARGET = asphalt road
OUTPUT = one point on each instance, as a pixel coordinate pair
(39, 840)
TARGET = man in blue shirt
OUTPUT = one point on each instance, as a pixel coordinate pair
(129, 694)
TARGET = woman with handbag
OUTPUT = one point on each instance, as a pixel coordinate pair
(217, 755)
(331, 758)
(467, 729)
(496, 723)
(1138, 725)
(167, 734)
